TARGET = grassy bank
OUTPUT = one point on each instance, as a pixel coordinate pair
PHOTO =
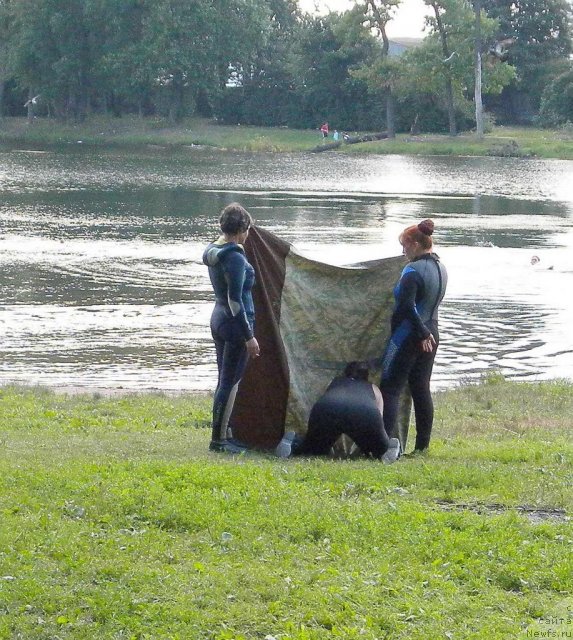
(118, 523)
(129, 131)
(502, 141)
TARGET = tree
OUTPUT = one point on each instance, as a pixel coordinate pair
(180, 49)
(55, 50)
(252, 27)
(327, 51)
(5, 28)
(451, 19)
(127, 70)
(81, 55)
(538, 37)
(30, 45)
(478, 71)
(378, 14)
(557, 101)
(262, 87)
(455, 28)
(384, 75)
(447, 81)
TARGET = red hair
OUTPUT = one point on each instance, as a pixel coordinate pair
(420, 233)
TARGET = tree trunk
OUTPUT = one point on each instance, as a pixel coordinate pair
(478, 100)
(30, 105)
(451, 107)
(176, 98)
(390, 114)
(380, 21)
(414, 127)
(83, 99)
(447, 72)
(1, 99)
(71, 107)
(477, 58)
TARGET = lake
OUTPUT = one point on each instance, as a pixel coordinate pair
(102, 285)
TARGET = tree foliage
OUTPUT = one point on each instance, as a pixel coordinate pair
(557, 101)
(538, 37)
(81, 55)
(265, 62)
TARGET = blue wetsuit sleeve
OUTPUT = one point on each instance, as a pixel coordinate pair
(234, 267)
(406, 303)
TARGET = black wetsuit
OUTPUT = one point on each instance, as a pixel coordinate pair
(418, 294)
(232, 324)
(348, 407)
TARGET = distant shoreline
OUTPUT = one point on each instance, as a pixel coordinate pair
(194, 134)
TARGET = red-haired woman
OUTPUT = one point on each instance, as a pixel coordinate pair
(411, 349)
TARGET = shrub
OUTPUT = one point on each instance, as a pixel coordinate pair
(557, 101)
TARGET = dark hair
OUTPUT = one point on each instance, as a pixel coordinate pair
(235, 219)
(357, 369)
(420, 233)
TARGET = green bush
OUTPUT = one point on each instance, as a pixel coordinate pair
(557, 101)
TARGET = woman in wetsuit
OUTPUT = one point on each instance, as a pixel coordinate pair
(351, 405)
(232, 321)
(411, 349)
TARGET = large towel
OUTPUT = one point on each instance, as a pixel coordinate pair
(312, 319)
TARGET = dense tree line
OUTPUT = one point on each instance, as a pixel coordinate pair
(265, 62)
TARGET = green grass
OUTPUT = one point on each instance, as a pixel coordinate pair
(131, 130)
(501, 141)
(116, 522)
(156, 132)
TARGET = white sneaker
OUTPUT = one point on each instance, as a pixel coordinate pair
(284, 447)
(393, 453)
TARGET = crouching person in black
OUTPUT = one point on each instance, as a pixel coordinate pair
(353, 406)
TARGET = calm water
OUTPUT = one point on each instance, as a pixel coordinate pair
(101, 284)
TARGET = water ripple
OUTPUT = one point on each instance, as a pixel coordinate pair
(102, 284)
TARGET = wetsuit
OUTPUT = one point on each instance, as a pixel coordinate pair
(418, 294)
(348, 406)
(232, 324)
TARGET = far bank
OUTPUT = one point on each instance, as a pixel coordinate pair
(127, 131)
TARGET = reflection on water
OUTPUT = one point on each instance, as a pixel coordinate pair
(102, 285)
(76, 169)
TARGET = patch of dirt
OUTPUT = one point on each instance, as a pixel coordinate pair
(536, 515)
